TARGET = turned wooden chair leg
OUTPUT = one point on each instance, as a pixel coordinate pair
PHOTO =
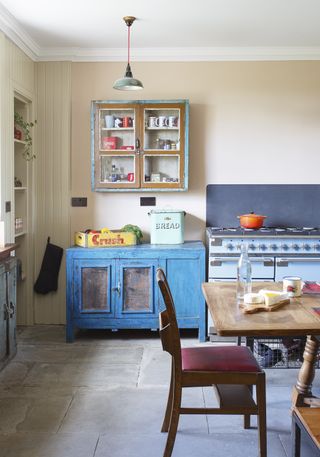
(167, 416)
(174, 421)
(262, 421)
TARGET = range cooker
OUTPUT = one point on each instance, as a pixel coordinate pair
(274, 252)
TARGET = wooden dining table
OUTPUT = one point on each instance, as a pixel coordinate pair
(300, 317)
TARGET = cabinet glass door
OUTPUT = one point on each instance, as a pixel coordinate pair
(163, 146)
(115, 138)
(93, 287)
(137, 285)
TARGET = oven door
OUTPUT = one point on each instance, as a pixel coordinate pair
(307, 268)
(225, 267)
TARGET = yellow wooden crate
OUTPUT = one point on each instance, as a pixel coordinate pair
(105, 238)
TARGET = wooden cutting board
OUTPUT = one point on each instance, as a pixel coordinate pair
(256, 307)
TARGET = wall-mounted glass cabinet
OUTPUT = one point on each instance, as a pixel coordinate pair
(140, 145)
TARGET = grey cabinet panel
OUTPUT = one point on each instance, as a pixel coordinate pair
(8, 279)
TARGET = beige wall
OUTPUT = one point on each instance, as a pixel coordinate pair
(52, 173)
(250, 122)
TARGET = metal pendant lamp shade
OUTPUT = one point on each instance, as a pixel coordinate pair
(128, 82)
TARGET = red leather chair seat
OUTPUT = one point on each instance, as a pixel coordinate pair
(224, 358)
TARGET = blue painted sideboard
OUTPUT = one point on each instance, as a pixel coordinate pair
(116, 288)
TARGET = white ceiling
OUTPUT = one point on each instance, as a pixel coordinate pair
(165, 29)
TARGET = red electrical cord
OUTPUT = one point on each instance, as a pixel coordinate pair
(128, 44)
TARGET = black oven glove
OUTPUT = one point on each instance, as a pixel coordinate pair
(48, 276)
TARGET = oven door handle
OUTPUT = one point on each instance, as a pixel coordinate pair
(217, 261)
(284, 262)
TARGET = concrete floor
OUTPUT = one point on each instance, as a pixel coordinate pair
(104, 396)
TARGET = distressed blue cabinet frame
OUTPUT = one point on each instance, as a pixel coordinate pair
(115, 288)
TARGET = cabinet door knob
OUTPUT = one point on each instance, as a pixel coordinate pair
(117, 289)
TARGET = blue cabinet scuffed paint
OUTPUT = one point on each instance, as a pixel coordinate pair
(116, 288)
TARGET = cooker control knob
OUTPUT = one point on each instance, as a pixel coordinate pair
(295, 247)
(263, 247)
(317, 247)
(230, 246)
(274, 247)
(285, 247)
(307, 247)
(252, 247)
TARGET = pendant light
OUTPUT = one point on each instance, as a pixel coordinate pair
(128, 82)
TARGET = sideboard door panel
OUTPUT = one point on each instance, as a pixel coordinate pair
(93, 291)
(136, 280)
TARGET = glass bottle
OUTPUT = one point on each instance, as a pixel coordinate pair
(243, 274)
(114, 173)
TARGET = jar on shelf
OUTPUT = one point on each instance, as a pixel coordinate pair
(167, 145)
(160, 143)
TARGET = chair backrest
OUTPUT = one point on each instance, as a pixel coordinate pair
(169, 331)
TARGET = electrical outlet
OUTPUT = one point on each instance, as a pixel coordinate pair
(147, 201)
(79, 201)
(8, 207)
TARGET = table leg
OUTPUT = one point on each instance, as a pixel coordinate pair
(307, 372)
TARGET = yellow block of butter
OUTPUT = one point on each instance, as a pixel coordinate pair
(271, 297)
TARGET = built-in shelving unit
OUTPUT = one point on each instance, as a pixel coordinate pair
(22, 210)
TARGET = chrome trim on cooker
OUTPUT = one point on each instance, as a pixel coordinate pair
(217, 261)
(284, 262)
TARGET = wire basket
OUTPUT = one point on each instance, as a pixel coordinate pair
(284, 352)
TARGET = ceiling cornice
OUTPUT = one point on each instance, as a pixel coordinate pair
(13, 30)
(195, 54)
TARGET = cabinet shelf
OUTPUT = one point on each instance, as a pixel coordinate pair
(116, 129)
(20, 189)
(118, 151)
(19, 141)
(162, 128)
(17, 234)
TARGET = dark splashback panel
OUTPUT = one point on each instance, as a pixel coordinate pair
(284, 204)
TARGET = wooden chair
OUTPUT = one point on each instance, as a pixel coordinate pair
(231, 370)
(307, 421)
